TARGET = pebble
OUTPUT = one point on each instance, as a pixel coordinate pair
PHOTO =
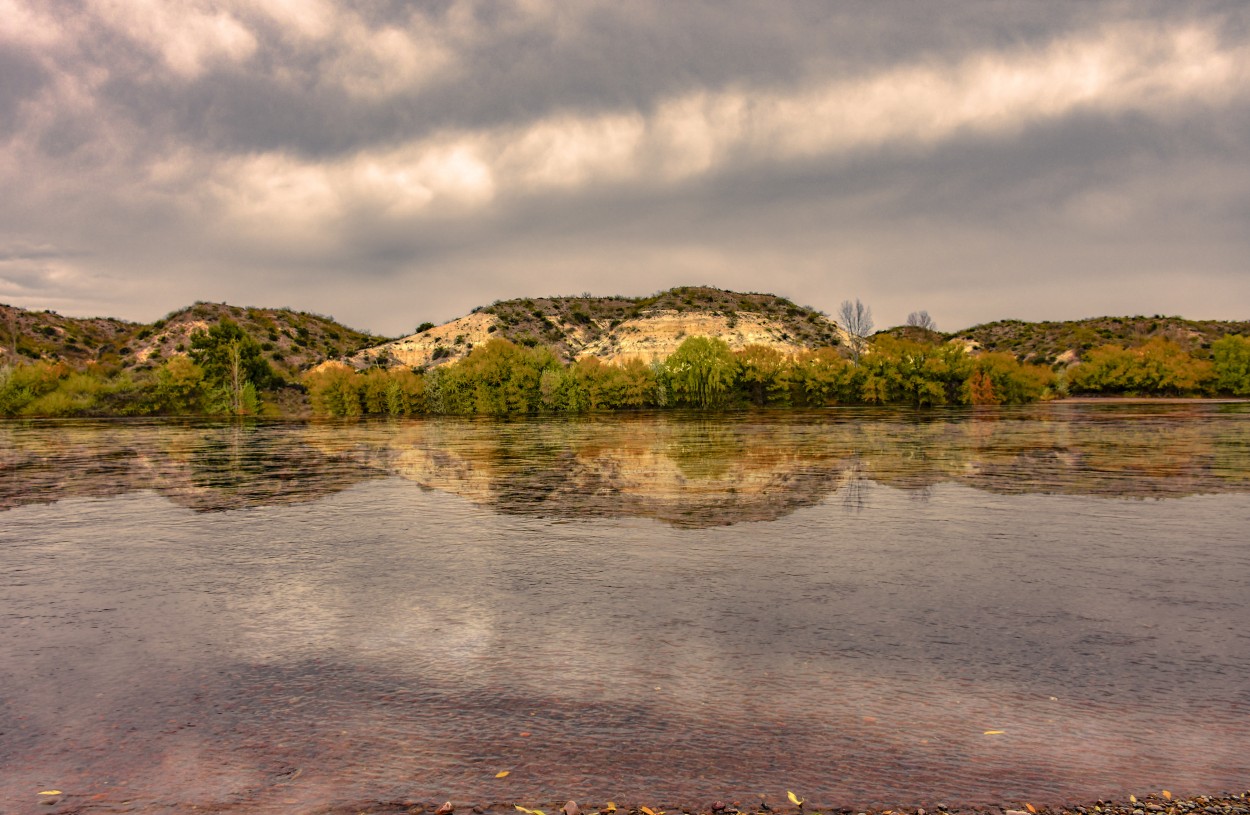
(445, 809)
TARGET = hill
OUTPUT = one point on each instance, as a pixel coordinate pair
(291, 340)
(616, 328)
(33, 335)
(1049, 342)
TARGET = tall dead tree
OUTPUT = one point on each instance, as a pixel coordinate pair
(856, 320)
(921, 319)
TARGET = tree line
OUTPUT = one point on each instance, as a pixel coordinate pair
(225, 373)
(500, 378)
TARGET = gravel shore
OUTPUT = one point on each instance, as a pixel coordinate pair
(1154, 804)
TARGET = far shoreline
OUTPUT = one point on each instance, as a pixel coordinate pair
(1148, 400)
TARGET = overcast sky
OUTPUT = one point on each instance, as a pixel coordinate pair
(392, 161)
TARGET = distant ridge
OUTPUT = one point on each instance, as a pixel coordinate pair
(292, 341)
(611, 328)
(1067, 341)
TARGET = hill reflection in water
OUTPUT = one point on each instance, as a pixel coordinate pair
(684, 469)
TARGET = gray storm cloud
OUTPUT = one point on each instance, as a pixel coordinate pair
(409, 162)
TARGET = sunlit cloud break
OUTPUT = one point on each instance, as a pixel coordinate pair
(1130, 68)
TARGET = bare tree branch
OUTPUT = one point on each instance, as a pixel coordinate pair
(856, 319)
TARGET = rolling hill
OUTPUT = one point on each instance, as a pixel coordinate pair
(292, 341)
(615, 328)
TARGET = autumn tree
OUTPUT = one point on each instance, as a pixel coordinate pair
(763, 375)
(179, 386)
(999, 378)
(1160, 367)
(909, 372)
(820, 377)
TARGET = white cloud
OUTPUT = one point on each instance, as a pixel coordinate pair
(1128, 69)
(29, 26)
(189, 37)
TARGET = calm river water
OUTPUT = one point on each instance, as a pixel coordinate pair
(660, 609)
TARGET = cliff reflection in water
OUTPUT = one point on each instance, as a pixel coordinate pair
(687, 470)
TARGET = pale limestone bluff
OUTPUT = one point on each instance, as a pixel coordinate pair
(653, 335)
(456, 338)
(657, 334)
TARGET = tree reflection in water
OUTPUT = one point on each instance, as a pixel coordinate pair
(685, 469)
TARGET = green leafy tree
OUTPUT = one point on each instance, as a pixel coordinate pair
(702, 372)
(639, 387)
(1231, 363)
(405, 392)
(179, 386)
(20, 385)
(334, 390)
(233, 365)
(496, 378)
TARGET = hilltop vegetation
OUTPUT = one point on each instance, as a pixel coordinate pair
(563, 323)
(290, 340)
(27, 336)
(1051, 343)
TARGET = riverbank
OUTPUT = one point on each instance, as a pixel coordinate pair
(1149, 400)
(1154, 804)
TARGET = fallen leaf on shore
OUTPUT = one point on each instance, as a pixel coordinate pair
(995, 732)
(525, 734)
(1132, 799)
(794, 799)
(503, 774)
(611, 807)
(528, 811)
(1031, 808)
(50, 792)
(1167, 795)
(648, 811)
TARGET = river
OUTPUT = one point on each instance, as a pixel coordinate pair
(866, 606)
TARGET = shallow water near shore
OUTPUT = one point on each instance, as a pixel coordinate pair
(868, 607)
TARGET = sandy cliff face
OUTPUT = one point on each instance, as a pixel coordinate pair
(653, 335)
(444, 343)
(656, 335)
